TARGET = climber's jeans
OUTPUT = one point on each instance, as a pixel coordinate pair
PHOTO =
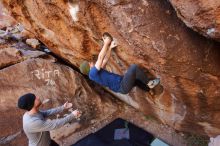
(134, 77)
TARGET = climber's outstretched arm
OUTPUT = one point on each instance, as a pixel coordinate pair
(107, 41)
(108, 54)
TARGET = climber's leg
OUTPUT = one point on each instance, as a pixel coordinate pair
(142, 86)
(128, 81)
(141, 76)
(135, 76)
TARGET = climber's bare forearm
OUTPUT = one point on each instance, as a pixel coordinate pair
(101, 56)
(106, 59)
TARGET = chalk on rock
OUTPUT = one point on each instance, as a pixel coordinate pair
(33, 43)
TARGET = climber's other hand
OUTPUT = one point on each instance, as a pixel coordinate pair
(67, 105)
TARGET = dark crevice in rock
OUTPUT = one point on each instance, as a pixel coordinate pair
(59, 59)
(8, 65)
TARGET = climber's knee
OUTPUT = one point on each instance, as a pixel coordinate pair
(133, 67)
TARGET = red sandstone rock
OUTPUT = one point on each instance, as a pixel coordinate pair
(150, 35)
(59, 83)
(5, 19)
(15, 53)
(202, 16)
(34, 43)
(9, 56)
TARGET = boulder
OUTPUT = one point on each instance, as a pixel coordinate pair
(150, 35)
(34, 43)
(9, 56)
(58, 83)
(15, 53)
(5, 19)
(202, 16)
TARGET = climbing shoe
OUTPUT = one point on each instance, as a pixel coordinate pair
(152, 83)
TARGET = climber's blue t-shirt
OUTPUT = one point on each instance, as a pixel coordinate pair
(105, 78)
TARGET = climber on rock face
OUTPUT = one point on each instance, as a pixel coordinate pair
(35, 124)
(122, 84)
